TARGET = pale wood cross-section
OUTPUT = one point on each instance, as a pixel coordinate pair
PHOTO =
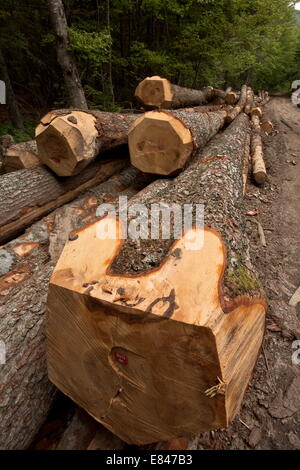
(151, 356)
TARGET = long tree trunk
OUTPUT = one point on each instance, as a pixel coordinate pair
(64, 56)
(13, 107)
(27, 195)
(157, 92)
(162, 142)
(175, 324)
(69, 140)
(27, 264)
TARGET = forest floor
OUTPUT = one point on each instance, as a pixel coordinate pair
(270, 415)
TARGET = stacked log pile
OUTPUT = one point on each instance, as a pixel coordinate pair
(123, 377)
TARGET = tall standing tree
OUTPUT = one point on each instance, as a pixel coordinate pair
(64, 56)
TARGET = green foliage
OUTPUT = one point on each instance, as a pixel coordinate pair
(19, 135)
(191, 42)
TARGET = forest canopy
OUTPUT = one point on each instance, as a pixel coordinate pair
(116, 43)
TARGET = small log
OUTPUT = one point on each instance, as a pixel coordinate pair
(25, 270)
(156, 92)
(257, 156)
(247, 161)
(257, 112)
(232, 98)
(266, 126)
(127, 330)
(21, 156)
(40, 192)
(239, 107)
(249, 101)
(163, 142)
(69, 140)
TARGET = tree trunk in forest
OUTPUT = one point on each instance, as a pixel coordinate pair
(26, 393)
(39, 192)
(162, 142)
(257, 155)
(156, 92)
(240, 105)
(69, 140)
(12, 104)
(21, 156)
(64, 56)
(129, 326)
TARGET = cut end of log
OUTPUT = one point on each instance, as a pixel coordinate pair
(66, 142)
(159, 143)
(231, 98)
(154, 92)
(21, 156)
(260, 177)
(256, 112)
(126, 340)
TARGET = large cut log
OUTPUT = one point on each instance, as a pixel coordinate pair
(21, 156)
(69, 140)
(163, 142)
(240, 105)
(158, 338)
(27, 195)
(26, 395)
(156, 92)
(257, 155)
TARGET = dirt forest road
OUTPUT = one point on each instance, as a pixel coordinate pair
(270, 416)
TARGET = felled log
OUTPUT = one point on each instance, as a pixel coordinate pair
(249, 100)
(232, 98)
(267, 126)
(240, 105)
(257, 156)
(162, 142)
(69, 140)
(21, 156)
(257, 111)
(156, 92)
(26, 265)
(39, 192)
(134, 327)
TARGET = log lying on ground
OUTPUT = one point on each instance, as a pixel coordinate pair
(240, 105)
(134, 327)
(69, 140)
(267, 126)
(257, 156)
(26, 266)
(162, 142)
(232, 98)
(156, 92)
(257, 111)
(21, 156)
(39, 192)
(249, 101)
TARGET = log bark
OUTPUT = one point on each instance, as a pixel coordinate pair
(257, 155)
(69, 140)
(240, 105)
(21, 156)
(163, 142)
(64, 55)
(156, 92)
(27, 195)
(143, 323)
(26, 266)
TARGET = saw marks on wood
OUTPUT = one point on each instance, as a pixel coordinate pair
(140, 353)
